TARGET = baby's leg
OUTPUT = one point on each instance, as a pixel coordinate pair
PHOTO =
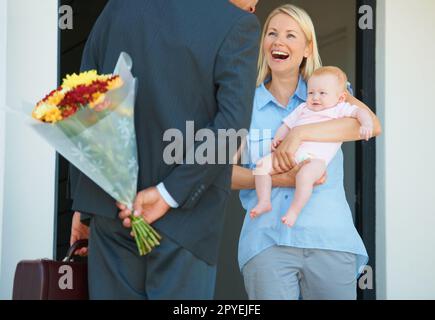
(305, 179)
(263, 185)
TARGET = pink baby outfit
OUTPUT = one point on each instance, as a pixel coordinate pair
(317, 150)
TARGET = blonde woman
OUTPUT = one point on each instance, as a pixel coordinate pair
(321, 256)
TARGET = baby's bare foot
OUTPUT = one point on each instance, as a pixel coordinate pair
(260, 208)
(290, 219)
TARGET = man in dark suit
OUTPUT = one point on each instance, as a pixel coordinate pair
(195, 60)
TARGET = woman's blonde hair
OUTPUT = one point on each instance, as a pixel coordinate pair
(309, 64)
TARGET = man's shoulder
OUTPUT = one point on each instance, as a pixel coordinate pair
(237, 16)
(221, 19)
(227, 15)
(233, 13)
(217, 16)
(220, 6)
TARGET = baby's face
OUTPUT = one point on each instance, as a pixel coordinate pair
(324, 91)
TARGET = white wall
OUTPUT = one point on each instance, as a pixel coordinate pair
(2, 104)
(406, 153)
(29, 193)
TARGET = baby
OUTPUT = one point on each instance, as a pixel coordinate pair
(326, 101)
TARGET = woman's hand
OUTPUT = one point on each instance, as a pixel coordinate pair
(288, 179)
(275, 144)
(366, 132)
(284, 156)
(79, 231)
(243, 178)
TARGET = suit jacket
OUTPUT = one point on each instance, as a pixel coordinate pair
(195, 60)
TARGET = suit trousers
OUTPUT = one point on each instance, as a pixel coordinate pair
(117, 272)
(288, 273)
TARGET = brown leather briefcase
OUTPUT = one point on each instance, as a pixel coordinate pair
(52, 280)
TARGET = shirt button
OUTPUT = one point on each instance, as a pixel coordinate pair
(286, 197)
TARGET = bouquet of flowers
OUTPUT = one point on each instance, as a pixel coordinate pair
(89, 120)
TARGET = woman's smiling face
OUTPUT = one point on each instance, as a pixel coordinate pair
(285, 44)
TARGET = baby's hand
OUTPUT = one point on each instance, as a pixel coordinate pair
(366, 132)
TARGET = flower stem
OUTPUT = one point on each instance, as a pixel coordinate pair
(145, 236)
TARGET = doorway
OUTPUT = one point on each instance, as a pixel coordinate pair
(340, 45)
(343, 45)
(71, 46)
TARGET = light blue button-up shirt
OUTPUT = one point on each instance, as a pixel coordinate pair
(325, 222)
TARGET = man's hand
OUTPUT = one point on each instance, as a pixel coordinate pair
(79, 231)
(288, 179)
(148, 203)
(283, 160)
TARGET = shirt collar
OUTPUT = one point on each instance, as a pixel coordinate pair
(264, 96)
(301, 90)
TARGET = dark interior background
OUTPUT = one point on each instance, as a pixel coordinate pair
(71, 45)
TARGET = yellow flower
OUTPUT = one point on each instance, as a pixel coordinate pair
(46, 112)
(53, 116)
(97, 98)
(115, 83)
(40, 111)
(84, 78)
(56, 98)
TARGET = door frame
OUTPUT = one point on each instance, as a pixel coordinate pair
(366, 151)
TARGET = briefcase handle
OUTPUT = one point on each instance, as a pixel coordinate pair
(76, 246)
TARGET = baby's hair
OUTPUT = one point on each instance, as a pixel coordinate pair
(335, 71)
